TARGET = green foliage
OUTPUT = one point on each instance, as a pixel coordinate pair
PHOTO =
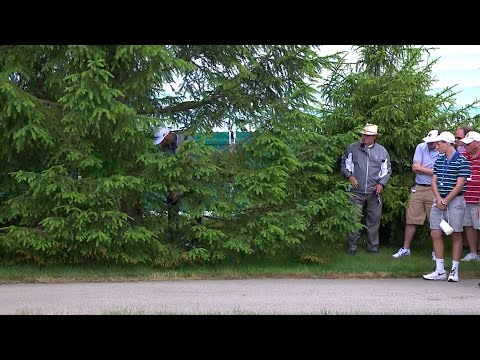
(390, 88)
(82, 181)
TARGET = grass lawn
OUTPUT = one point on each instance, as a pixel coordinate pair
(326, 262)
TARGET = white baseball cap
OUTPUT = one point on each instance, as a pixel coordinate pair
(471, 136)
(446, 136)
(431, 137)
(161, 133)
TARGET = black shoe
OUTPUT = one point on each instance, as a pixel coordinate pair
(351, 252)
(189, 246)
(373, 251)
(192, 244)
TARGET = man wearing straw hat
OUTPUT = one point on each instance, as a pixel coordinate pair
(367, 166)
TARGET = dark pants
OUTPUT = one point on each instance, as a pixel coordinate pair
(173, 217)
(373, 208)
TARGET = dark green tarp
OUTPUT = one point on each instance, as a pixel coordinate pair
(220, 140)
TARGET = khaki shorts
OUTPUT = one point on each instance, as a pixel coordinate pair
(419, 205)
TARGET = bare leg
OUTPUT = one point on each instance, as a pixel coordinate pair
(478, 244)
(409, 233)
(438, 243)
(457, 246)
(471, 235)
(464, 241)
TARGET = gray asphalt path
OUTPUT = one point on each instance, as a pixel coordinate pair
(245, 297)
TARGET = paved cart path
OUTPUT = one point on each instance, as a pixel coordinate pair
(252, 296)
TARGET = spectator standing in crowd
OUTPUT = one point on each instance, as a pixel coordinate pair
(421, 195)
(367, 166)
(450, 172)
(471, 221)
(460, 133)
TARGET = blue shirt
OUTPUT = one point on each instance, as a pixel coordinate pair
(427, 158)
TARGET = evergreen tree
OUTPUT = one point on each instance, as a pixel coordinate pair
(390, 86)
(83, 181)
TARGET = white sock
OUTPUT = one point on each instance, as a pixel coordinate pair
(440, 266)
(455, 265)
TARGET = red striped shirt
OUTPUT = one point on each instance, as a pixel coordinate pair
(472, 193)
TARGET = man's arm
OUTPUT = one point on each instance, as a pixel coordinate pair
(385, 171)
(443, 203)
(417, 168)
(347, 166)
(435, 189)
(463, 173)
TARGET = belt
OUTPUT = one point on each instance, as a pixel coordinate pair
(445, 195)
(426, 185)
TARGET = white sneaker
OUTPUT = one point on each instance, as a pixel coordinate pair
(433, 256)
(453, 277)
(401, 252)
(470, 257)
(435, 276)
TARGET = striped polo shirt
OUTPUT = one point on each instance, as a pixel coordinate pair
(472, 193)
(448, 171)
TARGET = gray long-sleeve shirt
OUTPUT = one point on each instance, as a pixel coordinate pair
(370, 166)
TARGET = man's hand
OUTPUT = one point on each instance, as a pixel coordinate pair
(353, 181)
(173, 197)
(378, 188)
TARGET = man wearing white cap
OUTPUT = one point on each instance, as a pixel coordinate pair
(471, 221)
(460, 133)
(367, 166)
(421, 195)
(169, 141)
(448, 186)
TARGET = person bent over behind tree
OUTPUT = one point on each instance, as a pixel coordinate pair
(367, 166)
(169, 141)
